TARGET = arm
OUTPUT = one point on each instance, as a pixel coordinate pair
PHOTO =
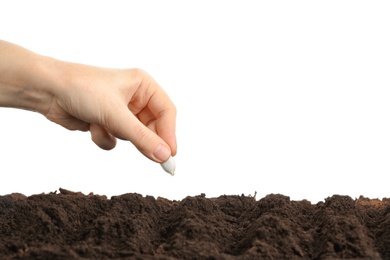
(110, 103)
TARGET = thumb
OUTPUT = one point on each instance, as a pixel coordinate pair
(128, 127)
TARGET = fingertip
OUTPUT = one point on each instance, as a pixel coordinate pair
(172, 144)
(109, 144)
(102, 138)
(174, 151)
(166, 130)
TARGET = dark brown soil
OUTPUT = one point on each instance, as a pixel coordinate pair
(69, 225)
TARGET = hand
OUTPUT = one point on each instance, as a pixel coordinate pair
(125, 104)
(110, 103)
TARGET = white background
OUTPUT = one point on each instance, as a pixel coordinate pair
(288, 97)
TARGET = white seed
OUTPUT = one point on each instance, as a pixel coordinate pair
(169, 166)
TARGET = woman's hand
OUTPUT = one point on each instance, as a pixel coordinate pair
(110, 103)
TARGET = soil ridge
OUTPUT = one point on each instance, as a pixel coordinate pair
(71, 225)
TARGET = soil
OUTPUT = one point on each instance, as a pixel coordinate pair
(71, 225)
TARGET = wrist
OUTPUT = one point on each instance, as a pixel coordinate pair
(26, 79)
(43, 84)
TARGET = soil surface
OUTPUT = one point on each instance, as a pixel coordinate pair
(71, 225)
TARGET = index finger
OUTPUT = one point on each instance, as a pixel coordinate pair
(165, 112)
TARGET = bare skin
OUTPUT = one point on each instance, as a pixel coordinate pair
(110, 103)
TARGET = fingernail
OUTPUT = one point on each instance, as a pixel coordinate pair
(162, 153)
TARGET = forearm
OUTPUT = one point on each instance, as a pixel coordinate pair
(25, 78)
